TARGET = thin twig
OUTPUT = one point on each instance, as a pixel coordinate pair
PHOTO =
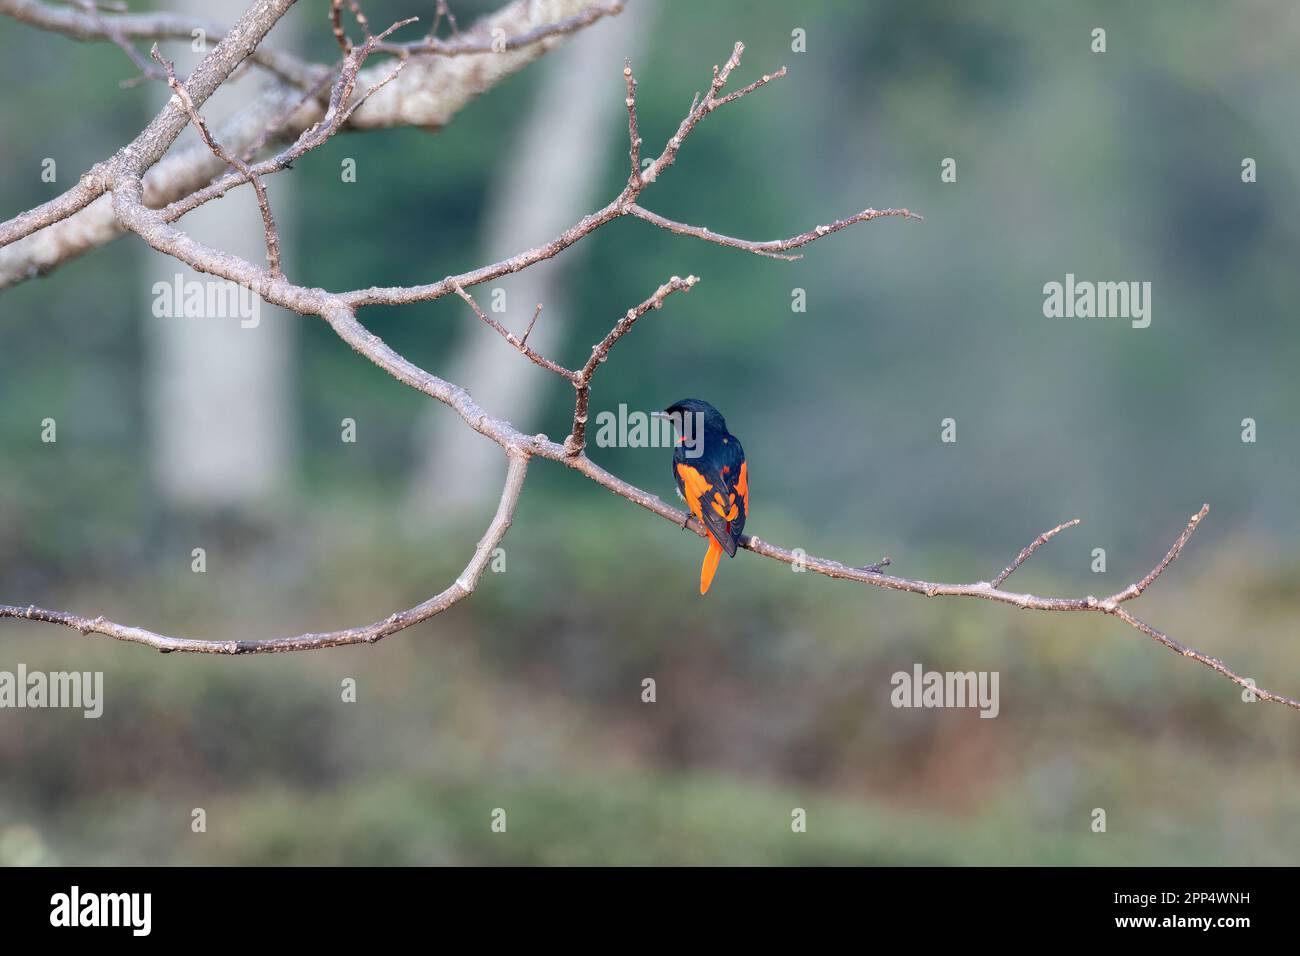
(775, 248)
(148, 147)
(531, 354)
(281, 122)
(481, 42)
(443, 11)
(414, 104)
(336, 23)
(336, 26)
(702, 107)
(82, 24)
(574, 444)
(114, 35)
(879, 566)
(341, 106)
(263, 201)
(1133, 590)
(633, 134)
(533, 321)
(625, 205)
(1033, 546)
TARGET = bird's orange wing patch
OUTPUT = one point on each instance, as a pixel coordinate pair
(742, 485)
(694, 487)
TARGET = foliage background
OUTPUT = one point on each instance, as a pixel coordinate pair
(773, 692)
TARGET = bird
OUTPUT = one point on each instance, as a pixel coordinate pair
(712, 477)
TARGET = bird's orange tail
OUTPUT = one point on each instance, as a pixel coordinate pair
(710, 566)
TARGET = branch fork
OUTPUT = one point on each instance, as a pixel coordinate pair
(122, 175)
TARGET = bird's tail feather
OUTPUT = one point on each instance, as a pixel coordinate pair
(710, 566)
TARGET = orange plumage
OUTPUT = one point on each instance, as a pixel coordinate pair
(712, 476)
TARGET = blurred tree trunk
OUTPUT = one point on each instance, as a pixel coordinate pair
(218, 394)
(551, 179)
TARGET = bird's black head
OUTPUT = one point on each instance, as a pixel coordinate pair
(712, 418)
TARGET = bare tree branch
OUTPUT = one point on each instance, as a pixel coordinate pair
(336, 22)
(581, 378)
(633, 133)
(335, 117)
(85, 25)
(441, 11)
(459, 589)
(1133, 590)
(533, 321)
(263, 203)
(577, 439)
(429, 93)
(624, 204)
(123, 175)
(341, 107)
(1033, 546)
(509, 336)
(499, 42)
(147, 70)
(147, 148)
(774, 248)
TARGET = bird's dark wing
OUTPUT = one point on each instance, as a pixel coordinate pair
(716, 488)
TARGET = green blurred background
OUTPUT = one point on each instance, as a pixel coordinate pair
(773, 692)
